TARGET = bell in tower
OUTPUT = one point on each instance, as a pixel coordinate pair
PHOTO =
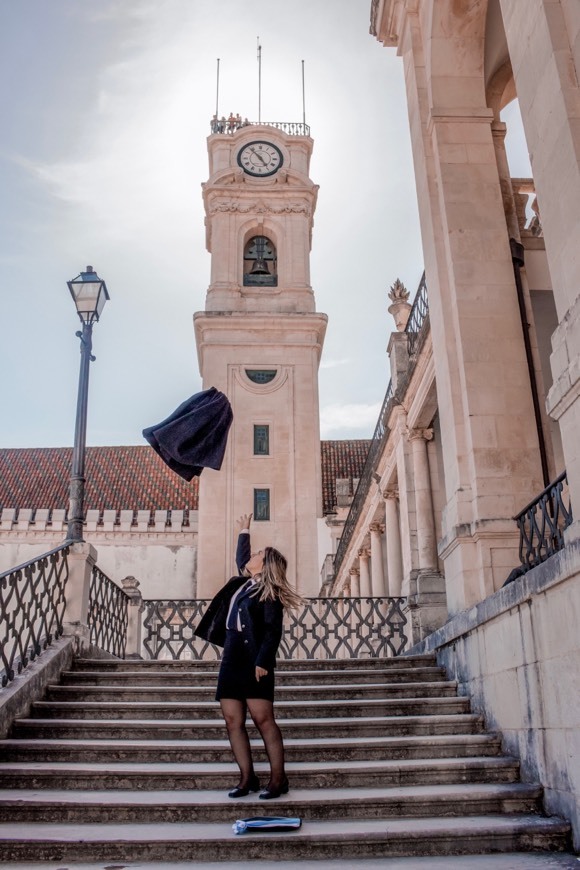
(260, 263)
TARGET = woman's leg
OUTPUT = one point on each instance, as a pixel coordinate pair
(234, 713)
(262, 712)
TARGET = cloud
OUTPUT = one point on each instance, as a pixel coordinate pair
(359, 420)
(334, 363)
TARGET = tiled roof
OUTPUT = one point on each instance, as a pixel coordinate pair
(342, 459)
(120, 478)
(125, 478)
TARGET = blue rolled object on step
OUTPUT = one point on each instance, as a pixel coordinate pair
(265, 823)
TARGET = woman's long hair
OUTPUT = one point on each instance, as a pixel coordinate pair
(274, 583)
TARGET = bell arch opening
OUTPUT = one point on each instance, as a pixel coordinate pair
(260, 262)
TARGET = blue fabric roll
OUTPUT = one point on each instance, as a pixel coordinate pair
(265, 823)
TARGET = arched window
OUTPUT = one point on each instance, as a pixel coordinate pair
(260, 263)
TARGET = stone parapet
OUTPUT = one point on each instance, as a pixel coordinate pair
(116, 521)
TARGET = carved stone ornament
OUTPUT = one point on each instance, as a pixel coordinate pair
(401, 307)
(420, 434)
(364, 553)
(354, 571)
(235, 206)
(392, 492)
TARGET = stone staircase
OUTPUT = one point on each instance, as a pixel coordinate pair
(128, 761)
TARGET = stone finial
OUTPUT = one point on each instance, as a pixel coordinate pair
(401, 307)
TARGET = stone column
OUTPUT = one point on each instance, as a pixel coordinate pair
(365, 574)
(426, 537)
(544, 46)
(393, 537)
(470, 281)
(378, 585)
(354, 582)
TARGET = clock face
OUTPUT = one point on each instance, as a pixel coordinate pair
(260, 158)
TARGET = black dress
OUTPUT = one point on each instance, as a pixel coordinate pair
(237, 676)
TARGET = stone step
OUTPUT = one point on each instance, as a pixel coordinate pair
(285, 709)
(349, 728)
(214, 806)
(504, 861)
(343, 774)
(327, 665)
(315, 840)
(183, 750)
(149, 677)
(283, 693)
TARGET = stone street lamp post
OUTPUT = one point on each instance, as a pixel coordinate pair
(90, 294)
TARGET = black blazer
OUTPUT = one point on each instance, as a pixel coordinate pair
(261, 621)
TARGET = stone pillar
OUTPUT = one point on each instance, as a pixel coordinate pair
(378, 584)
(81, 560)
(470, 279)
(354, 582)
(545, 54)
(135, 622)
(365, 574)
(393, 538)
(426, 537)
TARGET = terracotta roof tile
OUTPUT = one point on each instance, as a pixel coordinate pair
(120, 478)
(342, 459)
(134, 478)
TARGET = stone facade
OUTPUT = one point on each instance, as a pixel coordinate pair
(502, 405)
(259, 340)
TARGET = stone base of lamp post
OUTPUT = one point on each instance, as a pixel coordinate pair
(426, 606)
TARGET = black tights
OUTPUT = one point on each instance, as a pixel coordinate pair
(262, 713)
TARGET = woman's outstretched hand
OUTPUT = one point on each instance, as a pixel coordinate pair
(260, 672)
(244, 522)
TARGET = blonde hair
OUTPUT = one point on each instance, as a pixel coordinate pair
(274, 583)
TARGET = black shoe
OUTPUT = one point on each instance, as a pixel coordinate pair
(270, 793)
(242, 791)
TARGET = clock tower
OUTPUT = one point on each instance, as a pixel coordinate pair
(259, 341)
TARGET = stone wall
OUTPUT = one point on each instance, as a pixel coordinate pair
(517, 655)
(159, 548)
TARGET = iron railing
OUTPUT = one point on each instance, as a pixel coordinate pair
(32, 606)
(108, 614)
(417, 327)
(292, 128)
(542, 523)
(417, 317)
(323, 628)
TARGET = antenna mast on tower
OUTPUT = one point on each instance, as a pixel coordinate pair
(259, 80)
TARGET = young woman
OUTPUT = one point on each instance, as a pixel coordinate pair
(245, 617)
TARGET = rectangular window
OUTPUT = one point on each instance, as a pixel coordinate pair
(261, 440)
(261, 504)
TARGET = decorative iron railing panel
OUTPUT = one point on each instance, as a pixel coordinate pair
(32, 606)
(230, 126)
(324, 628)
(416, 329)
(108, 614)
(418, 316)
(542, 523)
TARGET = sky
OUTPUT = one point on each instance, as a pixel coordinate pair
(105, 108)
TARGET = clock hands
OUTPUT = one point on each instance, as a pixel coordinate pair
(259, 156)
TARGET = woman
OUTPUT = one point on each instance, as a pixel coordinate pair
(245, 617)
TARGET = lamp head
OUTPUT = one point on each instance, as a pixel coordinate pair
(90, 294)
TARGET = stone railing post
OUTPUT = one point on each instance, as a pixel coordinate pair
(134, 622)
(365, 575)
(378, 584)
(81, 561)
(393, 538)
